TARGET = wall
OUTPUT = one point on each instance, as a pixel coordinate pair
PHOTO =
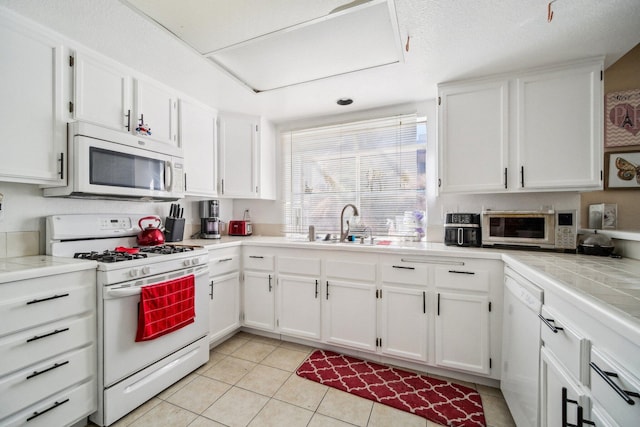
(622, 75)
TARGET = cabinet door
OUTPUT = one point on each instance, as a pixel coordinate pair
(350, 314)
(33, 132)
(299, 306)
(267, 182)
(156, 106)
(473, 136)
(560, 116)
(224, 306)
(403, 322)
(259, 300)
(553, 379)
(462, 331)
(238, 155)
(198, 141)
(102, 93)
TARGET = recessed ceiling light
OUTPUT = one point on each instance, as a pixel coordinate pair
(345, 101)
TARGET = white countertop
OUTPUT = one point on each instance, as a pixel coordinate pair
(28, 267)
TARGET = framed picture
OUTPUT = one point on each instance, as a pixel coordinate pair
(622, 170)
(622, 118)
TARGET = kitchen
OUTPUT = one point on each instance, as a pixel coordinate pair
(25, 234)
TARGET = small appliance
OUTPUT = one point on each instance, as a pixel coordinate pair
(543, 229)
(240, 228)
(462, 229)
(210, 219)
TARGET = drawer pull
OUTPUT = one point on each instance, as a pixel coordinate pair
(624, 394)
(37, 337)
(54, 406)
(461, 272)
(35, 301)
(403, 267)
(57, 365)
(549, 323)
(256, 256)
(225, 259)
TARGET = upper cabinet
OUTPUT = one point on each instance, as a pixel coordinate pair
(535, 131)
(199, 143)
(108, 94)
(33, 132)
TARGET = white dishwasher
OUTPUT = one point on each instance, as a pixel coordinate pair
(521, 348)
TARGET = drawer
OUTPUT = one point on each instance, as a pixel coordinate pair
(361, 271)
(613, 387)
(462, 277)
(303, 266)
(566, 343)
(28, 303)
(255, 261)
(63, 409)
(404, 273)
(223, 263)
(28, 386)
(36, 345)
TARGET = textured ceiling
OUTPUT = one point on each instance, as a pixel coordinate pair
(449, 40)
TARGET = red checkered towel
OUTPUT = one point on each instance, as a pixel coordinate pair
(165, 307)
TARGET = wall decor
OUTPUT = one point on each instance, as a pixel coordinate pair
(622, 117)
(622, 170)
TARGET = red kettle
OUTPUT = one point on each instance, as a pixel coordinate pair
(151, 235)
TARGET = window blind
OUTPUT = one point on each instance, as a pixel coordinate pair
(377, 165)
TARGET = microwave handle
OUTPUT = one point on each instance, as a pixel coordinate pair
(168, 175)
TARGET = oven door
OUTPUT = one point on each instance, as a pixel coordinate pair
(122, 355)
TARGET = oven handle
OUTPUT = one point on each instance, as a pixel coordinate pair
(124, 292)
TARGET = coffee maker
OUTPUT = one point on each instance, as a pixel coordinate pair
(210, 219)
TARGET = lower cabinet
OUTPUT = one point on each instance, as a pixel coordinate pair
(224, 292)
(259, 300)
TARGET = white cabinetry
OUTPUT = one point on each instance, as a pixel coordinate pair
(534, 131)
(403, 309)
(33, 132)
(350, 302)
(299, 295)
(224, 291)
(239, 136)
(108, 94)
(198, 141)
(259, 289)
(467, 327)
(48, 349)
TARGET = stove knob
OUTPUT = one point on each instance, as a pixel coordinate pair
(133, 272)
(186, 263)
(146, 270)
(195, 261)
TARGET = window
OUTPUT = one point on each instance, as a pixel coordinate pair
(377, 165)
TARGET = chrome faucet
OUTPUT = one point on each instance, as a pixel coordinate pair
(344, 234)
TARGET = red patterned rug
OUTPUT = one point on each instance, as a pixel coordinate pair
(437, 400)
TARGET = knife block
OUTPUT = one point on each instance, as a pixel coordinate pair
(173, 229)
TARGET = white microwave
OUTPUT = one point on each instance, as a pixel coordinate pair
(107, 164)
(548, 229)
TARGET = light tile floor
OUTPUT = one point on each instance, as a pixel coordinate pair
(250, 381)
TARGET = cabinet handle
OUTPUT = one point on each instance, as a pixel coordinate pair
(327, 290)
(256, 256)
(424, 302)
(270, 283)
(222, 185)
(438, 304)
(225, 259)
(61, 165)
(128, 116)
(54, 406)
(522, 175)
(316, 289)
(505, 178)
(461, 272)
(37, 337)
(36, 301)
(55, 366)
(624, 394)
(211, 289)
(403, 267)
(141, 119)
(565, 400)
(551, 324)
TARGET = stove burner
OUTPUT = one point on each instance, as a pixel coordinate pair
(166, 249)
(108, 256)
